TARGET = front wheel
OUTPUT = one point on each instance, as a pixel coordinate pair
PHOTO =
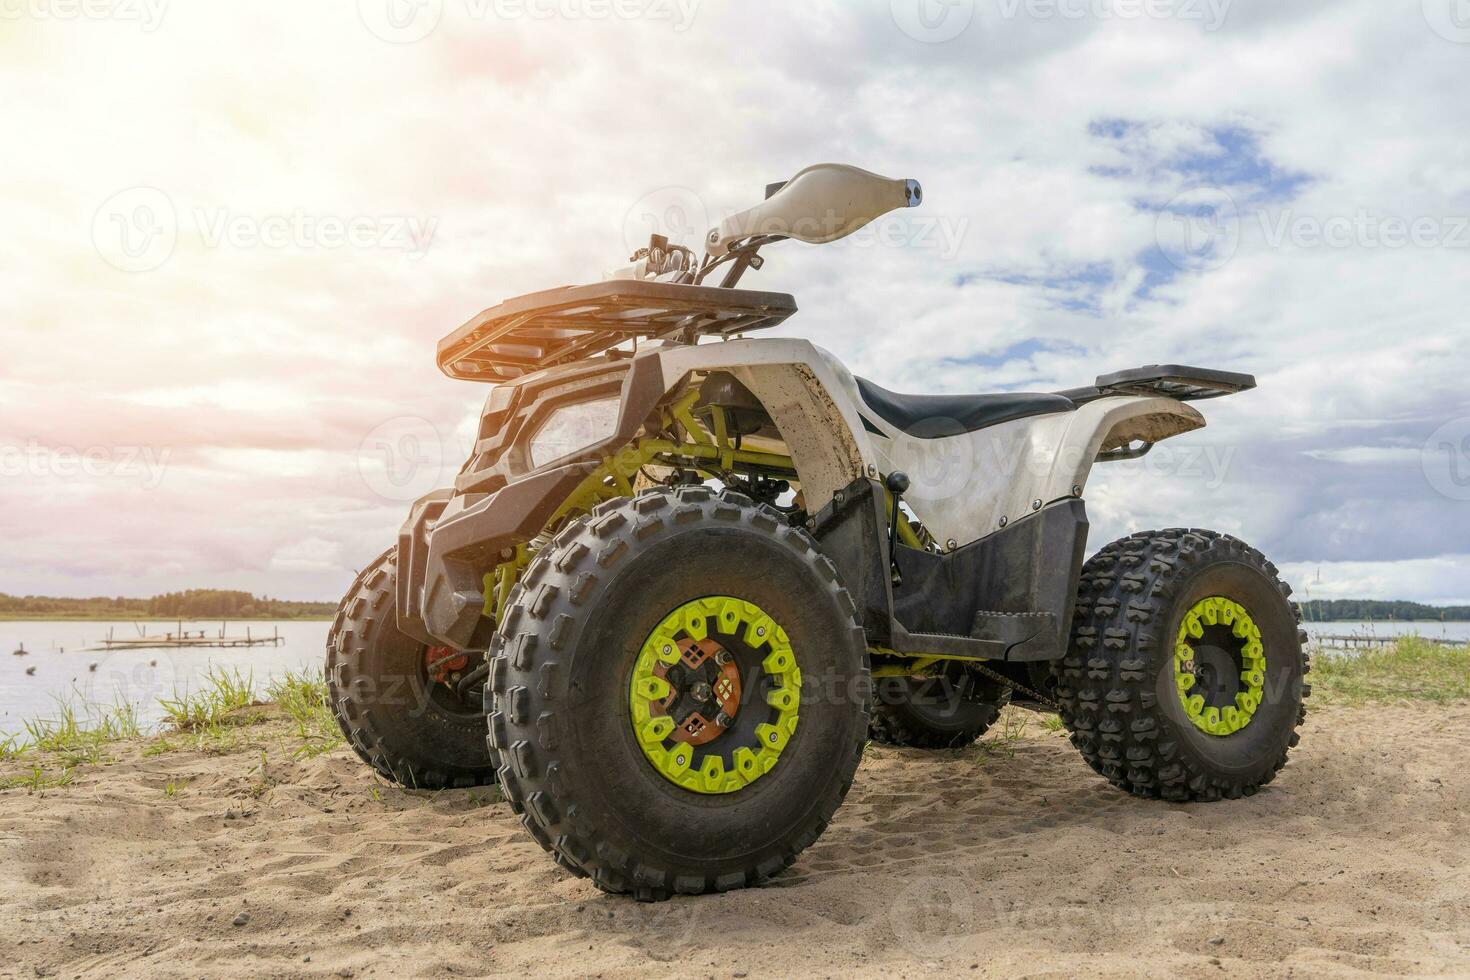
(1185, 677)
(678, 694)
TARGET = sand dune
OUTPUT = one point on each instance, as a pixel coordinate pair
(1009, 860)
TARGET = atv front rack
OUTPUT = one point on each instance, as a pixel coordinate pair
(556, 326)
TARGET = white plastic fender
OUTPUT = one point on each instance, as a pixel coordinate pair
(961, 485)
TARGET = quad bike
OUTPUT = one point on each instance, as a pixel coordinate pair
(687, 574)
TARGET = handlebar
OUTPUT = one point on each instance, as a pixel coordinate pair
(820, 204)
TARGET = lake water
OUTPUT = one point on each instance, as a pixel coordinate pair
(58, 651)
(1430, 631)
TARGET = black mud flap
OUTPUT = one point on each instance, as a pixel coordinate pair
(1008, 596)
(1013, 590)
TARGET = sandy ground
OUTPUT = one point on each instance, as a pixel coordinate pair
(1009, 860)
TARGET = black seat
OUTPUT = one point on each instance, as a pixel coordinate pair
(937, 416)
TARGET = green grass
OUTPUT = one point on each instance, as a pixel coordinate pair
(11, 746)
(110, 617)
(1411, 670)
(224, 691)
(35, 779)
(1004, 736)
(303, 697)
(78, 734)
(264, 779)
(209, 720)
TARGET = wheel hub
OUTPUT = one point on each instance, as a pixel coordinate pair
(704, 691)
(446, 674)
(714, 695)
(443, 664)
(1219, 666)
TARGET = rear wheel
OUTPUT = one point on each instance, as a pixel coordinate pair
(944, 711)
(1185, 677)
(397, 699)
(679, 694)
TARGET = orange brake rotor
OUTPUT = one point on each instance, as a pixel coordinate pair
(704, 664)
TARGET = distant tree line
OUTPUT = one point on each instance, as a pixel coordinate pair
(231, 604)
(189, 604)
(1361, 610)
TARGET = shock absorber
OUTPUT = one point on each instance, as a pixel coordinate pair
(897, 484)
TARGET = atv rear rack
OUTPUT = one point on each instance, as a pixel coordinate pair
(1175, 381)
(555, 326)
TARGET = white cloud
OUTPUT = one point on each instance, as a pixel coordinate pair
(1440, 580)
(528, 141)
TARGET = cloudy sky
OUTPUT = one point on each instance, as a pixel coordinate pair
(234, 232)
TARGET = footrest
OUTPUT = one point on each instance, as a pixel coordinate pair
(946, 645)
(1008, 629)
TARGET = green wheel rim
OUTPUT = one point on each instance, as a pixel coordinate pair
(1228, 618)
(735, 757)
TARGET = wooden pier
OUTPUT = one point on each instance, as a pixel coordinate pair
(193, 638)
(1364, 641)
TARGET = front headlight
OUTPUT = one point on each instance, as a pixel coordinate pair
(574, 427)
